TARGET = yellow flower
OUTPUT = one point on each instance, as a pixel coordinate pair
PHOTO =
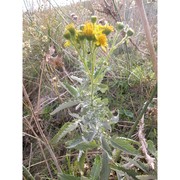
(67, 44)
(88, 30)
(101, 40)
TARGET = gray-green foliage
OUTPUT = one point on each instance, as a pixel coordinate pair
(94, 119)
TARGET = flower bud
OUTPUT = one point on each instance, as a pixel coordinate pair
(120, 26)
(67, 35)
(105, 63)
(82, 27)
(93, 19)
(107, 29)
(75, 18)
(71, 29)
(72, 14)
(80, 36)
(130, 32)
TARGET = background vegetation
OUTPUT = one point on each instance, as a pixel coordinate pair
(130, 80)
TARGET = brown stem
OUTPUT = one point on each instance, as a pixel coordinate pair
(148, 34)
(144, 145)
(40, 145)
(41, 131)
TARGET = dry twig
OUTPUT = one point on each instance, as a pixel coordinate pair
(41, 131)
(142, 140)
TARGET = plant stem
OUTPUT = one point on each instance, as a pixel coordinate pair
(142, 111)
(92, 71)
(116, 46)
(27, 174)
(41, 131)
(147, 30)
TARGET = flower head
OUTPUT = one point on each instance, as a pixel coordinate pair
(88, 30)
(101, 40)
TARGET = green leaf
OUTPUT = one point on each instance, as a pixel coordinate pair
(131, 173)
(128, 113)
(105, 147)
(87, 145)
(79, 144)
(64, 130)
(151, 148)
(73, 143)
(89, 136)
(103, 88)
(105, 170)
(67, 177)
(95, 172)
(124, 145)
(84, 178)
(27, 174)
(136, 163)
(80, 80)
(64, 106)
(71, 89)
(131, 141)
(105, 101)
(146, 177)
(81, 160)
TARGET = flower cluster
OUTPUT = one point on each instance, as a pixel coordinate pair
(89, 31)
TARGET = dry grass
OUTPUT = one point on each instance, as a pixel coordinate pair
(130, 80)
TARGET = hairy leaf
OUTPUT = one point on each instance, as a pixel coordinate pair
(103, 88)
(64, 106)
(85, 146)
(124, 145)
(71, 89)
(80, 80)
(73, 143)
(136, 163)
(74, 115)
(131, 173)
(81, 160)
(105, 170)
(95, 172)
(64, 130)
(84, 178)
(146, 177)
(89, 136)
(152, 148)
(105, 147)
(67, 177)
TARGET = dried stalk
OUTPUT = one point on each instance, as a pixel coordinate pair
(40, 145)
(148, 33)
(142, 140)
(41, 131)
(40, 83)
